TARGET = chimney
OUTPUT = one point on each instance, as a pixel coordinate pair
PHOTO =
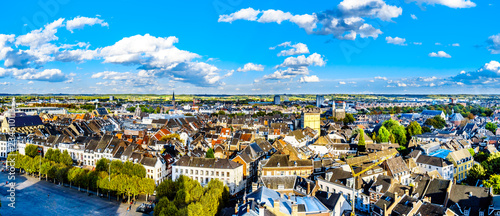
(261, 210)
(385, 210)
(254, 186)
(295, 209)
(282, 195)
(407, 192)
(395, 196)
(248, 207)
(308, 187)
(236, 208)
(276, 206)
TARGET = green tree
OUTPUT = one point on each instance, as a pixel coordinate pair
(437, 122)
(102, 165)
(491, 127)
(383, 135)
(31, 150)
(477, 172)
(147, 186)
(139, 171)
(210, 153)
(46, 166)
(65, 158)
(127, 168)
(349, 118)
(413, 129)
(361, 141)
(493, 182)
(116, 167)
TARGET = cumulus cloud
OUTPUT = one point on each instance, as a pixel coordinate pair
(447, 3)
(493, 44)
(440, 54)
(80, 22)
(156, 57)
(380, 78)
(342, 83)
(40, 36)
(308, 79)
(396, 41)
(294, 66)
(413, 16)
(49, 75)
(244, 14)
(489, 74)
(344, 22)
(251, 67)
(297, 49)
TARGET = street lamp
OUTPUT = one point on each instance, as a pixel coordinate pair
(40, 172)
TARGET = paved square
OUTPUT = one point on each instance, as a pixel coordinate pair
(31, 199)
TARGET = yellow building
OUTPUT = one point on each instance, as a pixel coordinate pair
(311, 118)
(463, 161)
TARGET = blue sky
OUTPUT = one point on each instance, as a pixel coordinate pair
(250, 47)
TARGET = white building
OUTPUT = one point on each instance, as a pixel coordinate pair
(7, 145)
(156, 168)
(428, 163)
(205, 169)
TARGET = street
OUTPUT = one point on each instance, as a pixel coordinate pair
(34, 197)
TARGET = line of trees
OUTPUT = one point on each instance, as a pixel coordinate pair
(187, 197)
(127, 179)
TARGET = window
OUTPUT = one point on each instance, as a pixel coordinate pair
(227, 174)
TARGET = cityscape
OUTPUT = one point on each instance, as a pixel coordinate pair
(250, 108)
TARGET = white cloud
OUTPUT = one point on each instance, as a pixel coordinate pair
(251, 67)
(5, 44)
(396, 41)
(49, 75)
(427, 79)
(146, 49)
(456, 45)
(413, 16)
(276, 16)
(302, 60)
(344, 22)
(307, 79)
(342, 83)
(80, 22)
(494, 44)
(40, 36)
(113, 75)
(440, 54)
(243, 14)
(298, 48)
(380, 78)
(401, 84)
(488, 74)
(437, 44)
(447, 3)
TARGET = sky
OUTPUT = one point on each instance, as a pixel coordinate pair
(250, 47)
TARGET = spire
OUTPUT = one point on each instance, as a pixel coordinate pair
(13, 103)
(173, 99)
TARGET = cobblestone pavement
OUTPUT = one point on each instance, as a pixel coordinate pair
(34, 197)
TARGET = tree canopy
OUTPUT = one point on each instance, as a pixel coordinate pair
(187, 197)
(491, 127)
(436, 122)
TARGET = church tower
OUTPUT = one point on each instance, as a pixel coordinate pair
(173, 100)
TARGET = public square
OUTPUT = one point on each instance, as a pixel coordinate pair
(34, 197)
